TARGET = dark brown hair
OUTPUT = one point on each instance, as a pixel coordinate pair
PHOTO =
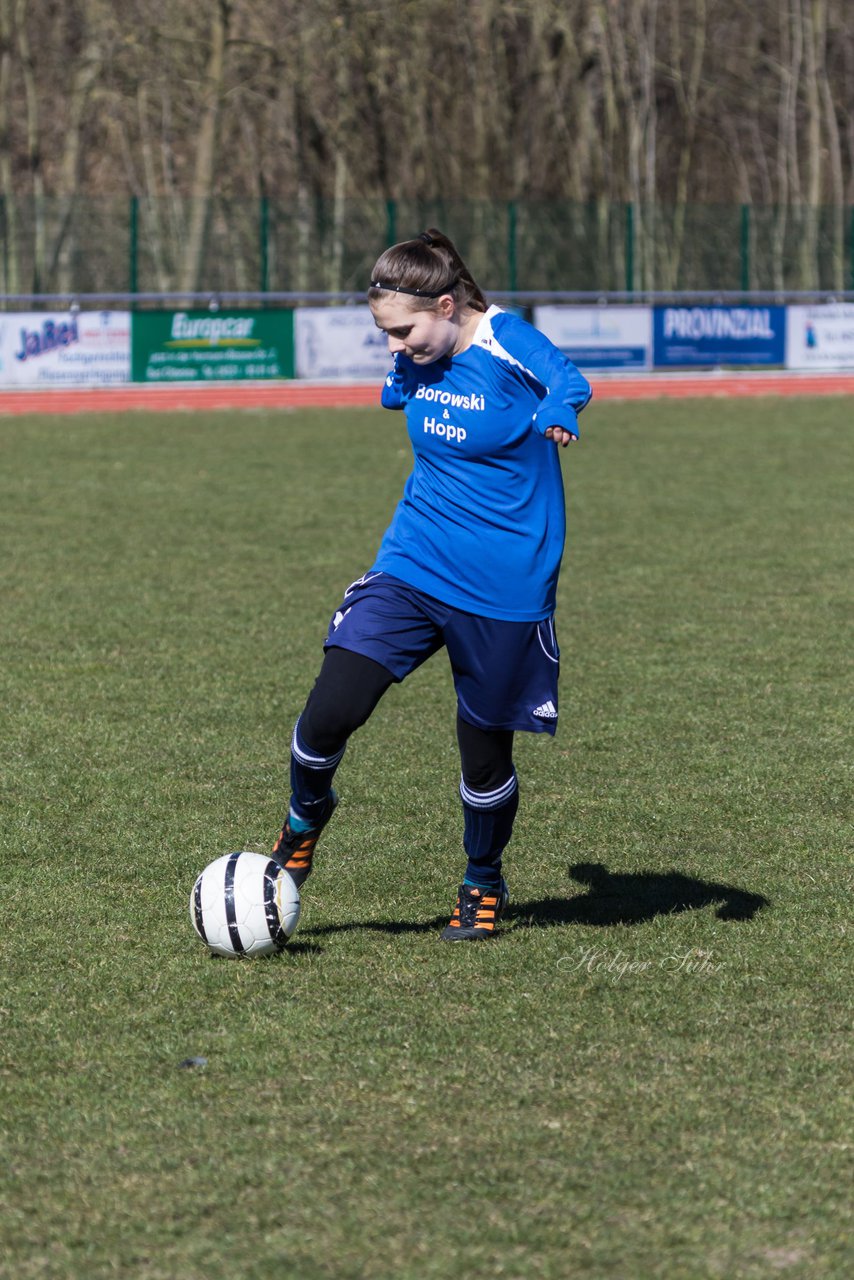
(423, 270)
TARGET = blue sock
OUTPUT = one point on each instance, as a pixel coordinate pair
(488, 826)
(311, 782)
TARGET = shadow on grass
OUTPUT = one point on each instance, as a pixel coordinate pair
(611, 898)
(292, 949)
(302, 949)
(632, 897)
(378, 926)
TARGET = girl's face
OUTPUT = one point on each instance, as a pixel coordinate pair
(424, 336)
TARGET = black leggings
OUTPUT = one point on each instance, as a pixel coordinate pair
(347, 691)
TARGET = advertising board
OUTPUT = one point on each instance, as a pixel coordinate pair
(339, 342)
(211, 346)
(599, 337)
(820, 337)
(712, 336)
(64, 348)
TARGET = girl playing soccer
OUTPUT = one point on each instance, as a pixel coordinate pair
(469, 563)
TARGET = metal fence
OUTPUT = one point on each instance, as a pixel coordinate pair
(71, 247)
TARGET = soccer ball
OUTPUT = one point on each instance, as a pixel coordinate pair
(244, 904)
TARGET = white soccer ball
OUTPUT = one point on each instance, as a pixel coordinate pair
(244, 904)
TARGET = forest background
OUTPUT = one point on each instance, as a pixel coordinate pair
(336, 111)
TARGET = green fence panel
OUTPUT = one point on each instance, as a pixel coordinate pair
(174, 245)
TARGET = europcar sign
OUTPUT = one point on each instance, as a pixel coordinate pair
(212, 346)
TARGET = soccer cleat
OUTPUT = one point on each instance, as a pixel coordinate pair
(476, 914)
(294, 850)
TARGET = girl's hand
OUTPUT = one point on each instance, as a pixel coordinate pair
(560, 436)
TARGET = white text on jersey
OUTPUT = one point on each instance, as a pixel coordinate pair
(444, 429)
(453, 398)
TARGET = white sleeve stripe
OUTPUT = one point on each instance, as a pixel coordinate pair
(485, 337)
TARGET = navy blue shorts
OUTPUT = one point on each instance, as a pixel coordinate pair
(505, 673)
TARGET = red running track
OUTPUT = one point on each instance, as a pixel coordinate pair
(330, 395)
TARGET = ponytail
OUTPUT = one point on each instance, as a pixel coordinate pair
(425, 269)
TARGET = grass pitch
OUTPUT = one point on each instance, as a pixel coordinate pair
(644, 1077)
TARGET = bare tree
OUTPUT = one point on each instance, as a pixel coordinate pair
(34, 150)
(592, 105)
(9, 258)
(810, 15)
(836, 185)
(686, 70)
(204, 168)
(84, 75)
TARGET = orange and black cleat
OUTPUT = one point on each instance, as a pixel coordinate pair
(476, 914)
(294, 850)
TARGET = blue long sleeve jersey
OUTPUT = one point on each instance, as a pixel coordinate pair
(482, 522)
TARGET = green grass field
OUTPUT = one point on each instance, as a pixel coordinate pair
(645, 1076)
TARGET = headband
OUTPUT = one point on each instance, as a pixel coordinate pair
(417, 293)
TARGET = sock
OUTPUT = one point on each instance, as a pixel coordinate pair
(311, 782)
(488, 826)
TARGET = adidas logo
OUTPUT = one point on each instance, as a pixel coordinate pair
(548, 711)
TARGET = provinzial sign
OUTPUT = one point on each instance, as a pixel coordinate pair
(64, 349)
(691, 336)
(339, 342)
(211, 346)
(599, 337)
(820, 336)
